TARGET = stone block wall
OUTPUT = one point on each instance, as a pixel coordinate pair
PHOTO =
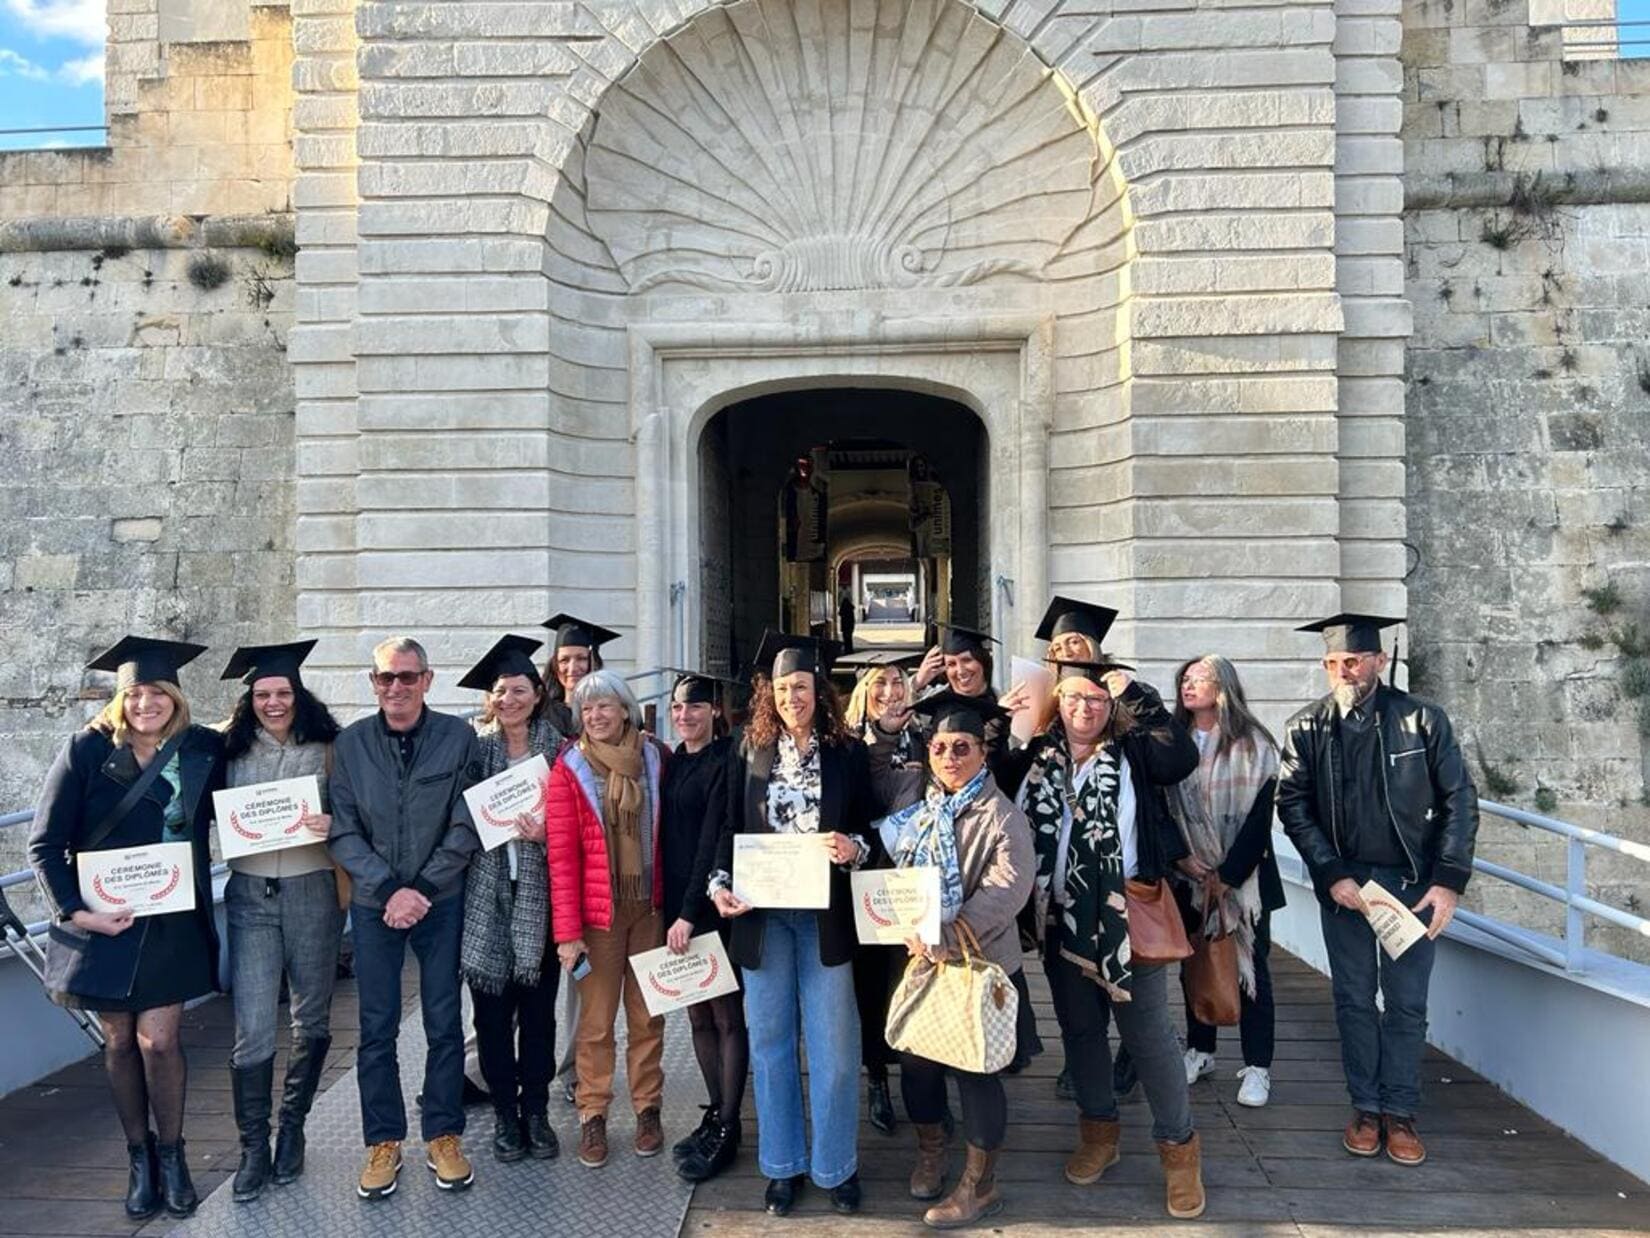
(1527, 182)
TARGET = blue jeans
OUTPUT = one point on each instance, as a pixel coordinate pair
(380, 952)
(794, 992)
(290, 925)
(1380, 1052)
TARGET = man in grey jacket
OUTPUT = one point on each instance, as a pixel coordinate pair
(402, 831)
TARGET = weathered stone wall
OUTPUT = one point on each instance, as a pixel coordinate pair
(1527, 179)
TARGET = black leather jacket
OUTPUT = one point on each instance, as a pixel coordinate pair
(1434, 803)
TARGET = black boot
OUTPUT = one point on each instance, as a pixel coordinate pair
(303, 1076)
(690, 1143)
(250, 1087)
(175, 1182)
(541, 1136)
(880, 1106)
(716, 1151)
(509, 1144)
(143, 1183)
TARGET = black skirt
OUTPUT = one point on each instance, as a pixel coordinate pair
(175, 965)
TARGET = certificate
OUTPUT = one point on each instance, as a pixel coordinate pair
(892, 904)
(1397, 927)
(146, 881)
(672, 981)
(782, 870)
(265, 816)
(496, 803)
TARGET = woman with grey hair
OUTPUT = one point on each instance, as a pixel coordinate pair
(606, 888)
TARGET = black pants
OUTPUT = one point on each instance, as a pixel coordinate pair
(516, 1039)
(984, 1103)
(1256, 1017)
(875, 975)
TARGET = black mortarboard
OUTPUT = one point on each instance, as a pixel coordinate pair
(250, 663)
(142, 659)
(571, 630)
(952, 711)
(957, 639)
(1070, 615)
(701, 688)
(1350, 633)
(1094, 672)
(899, 659)
(781, 653)
(510, 655)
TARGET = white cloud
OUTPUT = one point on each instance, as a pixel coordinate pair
(13, 65)
(80, 20)
(82, 71)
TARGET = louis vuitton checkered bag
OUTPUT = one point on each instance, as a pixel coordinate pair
(960, 1013)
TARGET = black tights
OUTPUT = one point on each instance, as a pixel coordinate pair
(723, 1049)
(147, 1070)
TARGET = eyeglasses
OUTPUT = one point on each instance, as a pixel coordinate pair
(1085, 701)
(1199, 681)
(406, 679)
(957, 748)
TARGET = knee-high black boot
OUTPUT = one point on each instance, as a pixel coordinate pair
(303, 1077)
(251, 1087)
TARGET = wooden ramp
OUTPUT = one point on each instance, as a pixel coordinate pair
(1494, 1167)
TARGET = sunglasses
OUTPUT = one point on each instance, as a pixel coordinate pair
(957, 748)
(406, 679)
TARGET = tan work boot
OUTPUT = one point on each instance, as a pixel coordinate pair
(1096, 1150)
(382, 1169)
(1183, 1174)
(975, 1195)
(928, 1178)
(447, 1161)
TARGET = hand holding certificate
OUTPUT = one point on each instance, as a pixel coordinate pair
(144, 881)
(497, 803)
(267, 816)
(893, 904)
(672, 981)
(1396, 926)
(782, 870)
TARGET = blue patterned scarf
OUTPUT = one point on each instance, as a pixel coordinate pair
(924, 833)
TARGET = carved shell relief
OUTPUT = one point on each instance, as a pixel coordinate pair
(809, 145)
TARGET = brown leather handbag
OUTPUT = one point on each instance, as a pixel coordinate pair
(1211, 975)
(1156, 932)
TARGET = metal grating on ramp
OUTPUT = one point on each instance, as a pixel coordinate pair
(630, 1196)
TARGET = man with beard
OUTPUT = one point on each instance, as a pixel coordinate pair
(1373, 788)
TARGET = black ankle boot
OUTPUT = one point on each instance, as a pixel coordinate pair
(250, 1087)
(880, 1105)
(175, 1183)
(508, 1143)
(303, 1075)
(143, 1183)
(716, 1151)
(690, 1143)
(541, 1136)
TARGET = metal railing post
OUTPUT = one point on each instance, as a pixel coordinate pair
(1575, 888)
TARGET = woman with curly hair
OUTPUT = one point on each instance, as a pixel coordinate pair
(800, 771)
(284, 915)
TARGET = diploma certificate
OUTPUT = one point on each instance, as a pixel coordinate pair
(496, 803)
(782, 870)
(892, 904)
(1397, 927)
(264, 816)
(146, 881)
(672, 981)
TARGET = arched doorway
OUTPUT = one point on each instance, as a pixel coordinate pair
(802, 491)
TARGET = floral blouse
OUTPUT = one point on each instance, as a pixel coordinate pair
(794, 788)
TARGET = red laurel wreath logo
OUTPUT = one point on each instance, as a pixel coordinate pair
(235, 824)
(877, 919)
(171, 884)
(97, 884)
(665, 989)
(498, 823)
(303, 811)
(715, 968)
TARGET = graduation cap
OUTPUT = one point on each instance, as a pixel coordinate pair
(898, 659)
(1350, 633)
(955, 638)
(1094, 672)
(951, 711)
(571, 631)
(699, 688)
(1070, 615)
(782, 653)
(142, 659)
(250, 663)
(510, 655)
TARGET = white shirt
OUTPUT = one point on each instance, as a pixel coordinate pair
(1125, 822)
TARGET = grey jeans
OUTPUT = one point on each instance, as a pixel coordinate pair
(1084, 1009)
(292, 925)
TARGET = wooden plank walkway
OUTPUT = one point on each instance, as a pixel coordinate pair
(1494, 1167)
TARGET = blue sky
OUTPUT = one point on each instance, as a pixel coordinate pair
(51, 69)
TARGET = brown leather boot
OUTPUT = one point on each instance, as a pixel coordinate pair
(975, 1196)
(1096, 1151)
(928, 1178)
(1183, 1173)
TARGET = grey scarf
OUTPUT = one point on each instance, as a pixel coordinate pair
(505, 923)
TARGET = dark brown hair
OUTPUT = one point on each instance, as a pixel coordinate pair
(764, 728)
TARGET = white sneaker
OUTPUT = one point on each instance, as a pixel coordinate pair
(1199, 1065)
(1256, 1088)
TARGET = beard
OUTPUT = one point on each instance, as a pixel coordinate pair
(1348, 695)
